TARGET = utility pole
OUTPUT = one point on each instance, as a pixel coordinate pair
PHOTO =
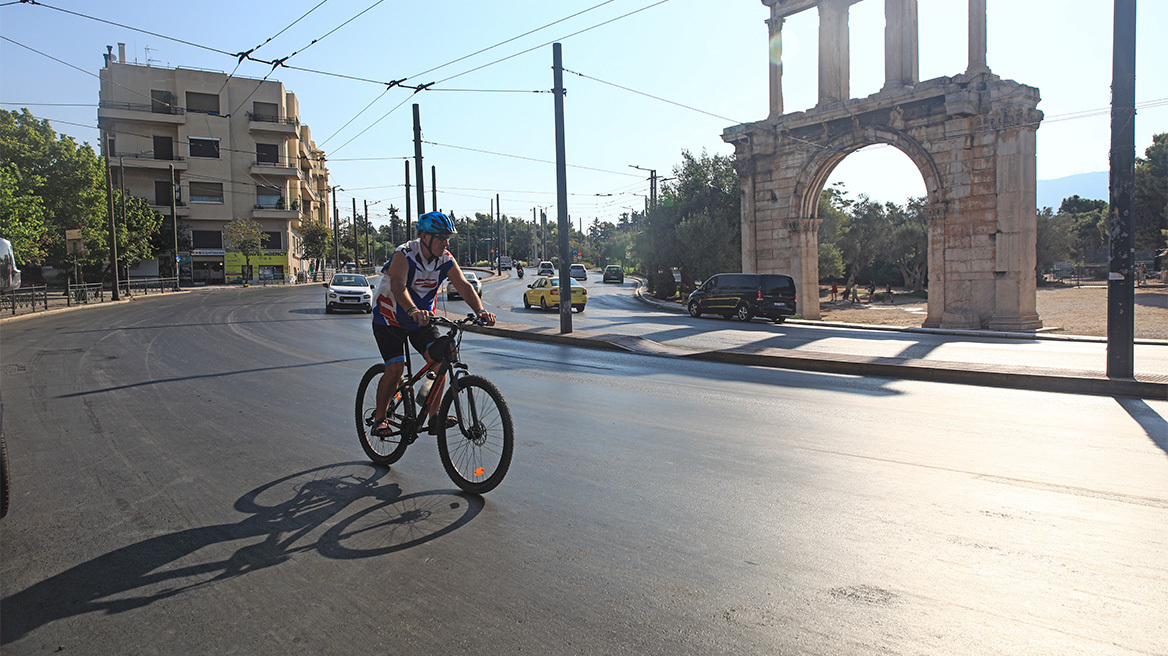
(652, 184)
(109, 195)
(1121, 222)
(409, 229)
(434, 186)
(122, 194)
(353, 223)
(498, 242)
(418, 159)
(336, 230)
(562, 190)
(174, 222)
(368, 254)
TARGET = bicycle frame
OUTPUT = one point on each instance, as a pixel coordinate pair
(450, 366)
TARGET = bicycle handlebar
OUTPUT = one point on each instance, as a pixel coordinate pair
(443, 321)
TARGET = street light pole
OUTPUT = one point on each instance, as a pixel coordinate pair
(652, 184)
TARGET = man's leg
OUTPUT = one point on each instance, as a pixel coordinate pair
(386, 387)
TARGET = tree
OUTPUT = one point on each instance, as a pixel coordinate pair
(316, 241)
(1150, 196)
(908, 243)
(1055, 240)
(697, 224)
(66, 177)
(1088, 219)
(247, 237)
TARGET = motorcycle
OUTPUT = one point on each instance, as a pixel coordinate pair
(519, 272)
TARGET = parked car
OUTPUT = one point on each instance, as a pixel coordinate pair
(577, 272)
(614, 273)
(348, 291)
(471, 277)
(546, 269)
(745, 296)
(545, 293)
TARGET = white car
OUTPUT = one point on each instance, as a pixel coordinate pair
(452, 292)
(546, 269)
(348, 291)
(577, 272)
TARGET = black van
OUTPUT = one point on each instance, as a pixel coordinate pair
(745, 296)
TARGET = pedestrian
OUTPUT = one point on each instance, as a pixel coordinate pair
(855, 294)
(834, 290)
(871, 291)
(888, 294)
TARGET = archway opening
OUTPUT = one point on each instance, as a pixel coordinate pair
(873, 235)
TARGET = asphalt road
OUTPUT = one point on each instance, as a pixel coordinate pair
(186, 479)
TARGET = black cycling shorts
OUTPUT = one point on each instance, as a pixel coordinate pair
(391, 340)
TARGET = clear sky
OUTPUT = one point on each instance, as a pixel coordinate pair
(492, 133)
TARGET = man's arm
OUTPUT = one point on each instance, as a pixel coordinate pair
(399, 271)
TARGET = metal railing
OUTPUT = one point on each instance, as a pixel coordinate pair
(154, 108)
(145, 285)
(25, 297)
(84, 294)
(267, 118)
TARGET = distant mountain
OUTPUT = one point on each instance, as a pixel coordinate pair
(1092, 186)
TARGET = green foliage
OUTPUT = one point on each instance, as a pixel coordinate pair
(316, 240)
(1055, 241)
(831, 263)
(697, 224)
(67, 178)
(1150, 196)
(246, 236)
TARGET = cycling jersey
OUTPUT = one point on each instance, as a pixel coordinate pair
(422, 282)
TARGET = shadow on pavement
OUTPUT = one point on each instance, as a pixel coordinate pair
(281, 515)
(1148, 419)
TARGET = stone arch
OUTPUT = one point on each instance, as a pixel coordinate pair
(822, 161)
(971, 136)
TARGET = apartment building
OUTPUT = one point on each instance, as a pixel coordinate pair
(237, 149)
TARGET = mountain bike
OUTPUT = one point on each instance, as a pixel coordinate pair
(476, 450)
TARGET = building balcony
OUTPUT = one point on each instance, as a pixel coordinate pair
(261, 212)
(147, 161)
(147, 112)
(283, 169)
(260, 123)
(164, 210)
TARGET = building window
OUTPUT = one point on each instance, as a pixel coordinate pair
(163, 147)
(111, 151)
(203, 103)
(206, 239)
(162, 102)
(268, 153)
(267, 196)
(204, 147)
(263, 111)
(275, 241)
(162, 192)
(206, 192)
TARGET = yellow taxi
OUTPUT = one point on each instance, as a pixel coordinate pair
(545, 292)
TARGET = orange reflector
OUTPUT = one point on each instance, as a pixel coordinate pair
(480, 471)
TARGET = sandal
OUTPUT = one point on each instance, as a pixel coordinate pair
(383, 428)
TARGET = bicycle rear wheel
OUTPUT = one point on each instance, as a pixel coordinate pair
(477, 453)
(383, 449)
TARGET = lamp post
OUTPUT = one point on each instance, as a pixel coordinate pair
(652, 183)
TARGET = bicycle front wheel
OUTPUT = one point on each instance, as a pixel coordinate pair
(477, 453)
(381, 449)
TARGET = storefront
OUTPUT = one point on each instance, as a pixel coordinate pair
(269, 265)
(206, 266)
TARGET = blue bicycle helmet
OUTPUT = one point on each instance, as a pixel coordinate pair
(436, 222)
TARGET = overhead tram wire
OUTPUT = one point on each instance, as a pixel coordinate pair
(514, 38)
(563, 38)
(647, 95)
(529, 159)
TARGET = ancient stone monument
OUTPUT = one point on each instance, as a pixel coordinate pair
(971, 135)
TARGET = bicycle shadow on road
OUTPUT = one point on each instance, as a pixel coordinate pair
(283, 519)
(1148, 419)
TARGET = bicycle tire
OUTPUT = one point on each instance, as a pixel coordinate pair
(382, 450)
(477, 457)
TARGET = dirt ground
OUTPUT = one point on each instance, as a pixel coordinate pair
(1064, 310)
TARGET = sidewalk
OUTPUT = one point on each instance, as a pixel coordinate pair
(1019, 375)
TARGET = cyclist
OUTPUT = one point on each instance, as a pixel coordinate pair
(406, 298)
